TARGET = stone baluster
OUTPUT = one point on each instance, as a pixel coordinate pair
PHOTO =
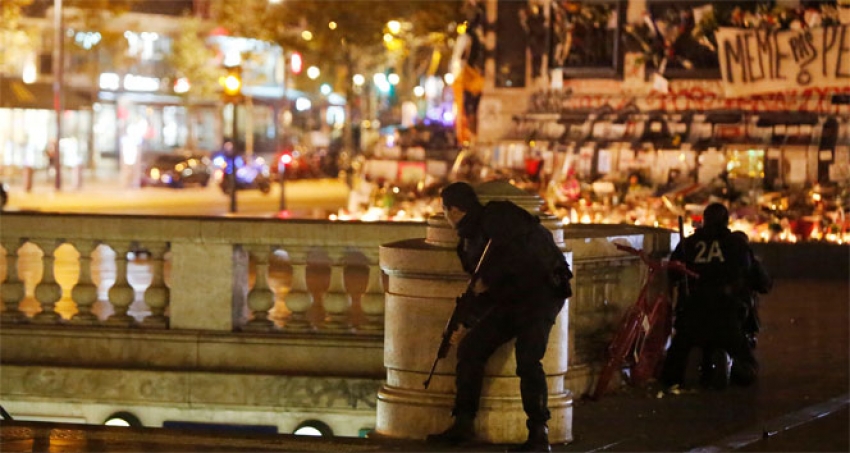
(84, 292)
(261, 297)
(372, 302)
(157, 296)
(298, 299)
(48, 291)
(337, 302)
(13, 290)
(121, 294)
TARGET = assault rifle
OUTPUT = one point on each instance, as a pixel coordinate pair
(463, 309)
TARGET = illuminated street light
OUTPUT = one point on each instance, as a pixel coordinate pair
(296, 63)
(380, 80)
(306, 35)
(30, 73)
(325, 89)
(449, 78)
(332, 25)
(394, 26)
(388, 38)
(358, 80)
(303, 104)
(313, 72)
(182, 85)
(393, 78)
(232, 85)
(418, 91)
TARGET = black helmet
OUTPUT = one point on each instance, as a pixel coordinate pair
(715, 216)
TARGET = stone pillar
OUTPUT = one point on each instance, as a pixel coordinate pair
(424, 278)
(121, 294)
(84, 292)
(261, 297)
(48, 291)
(336, 300)
(12, 290)
(372, 301)
(298, 299)
(157, 294)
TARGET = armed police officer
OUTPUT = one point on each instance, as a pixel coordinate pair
(711, 313)
(520, 288)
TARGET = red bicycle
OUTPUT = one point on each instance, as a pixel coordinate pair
(640, 340)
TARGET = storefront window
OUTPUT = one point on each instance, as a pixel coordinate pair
(174, 126)
(104, 129)
(25, 133)
(205, 128)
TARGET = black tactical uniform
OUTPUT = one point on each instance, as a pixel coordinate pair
(711, 316)
(520, 302)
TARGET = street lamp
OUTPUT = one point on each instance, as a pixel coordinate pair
(58, 59)
(232, 94)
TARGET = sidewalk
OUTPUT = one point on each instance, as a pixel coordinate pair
(102, 185)
(105, 191)
(799, 404)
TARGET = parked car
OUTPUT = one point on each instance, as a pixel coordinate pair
(251, 173)
(178, 170)
(295, 163)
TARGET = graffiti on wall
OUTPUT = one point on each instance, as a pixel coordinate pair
(702, 95)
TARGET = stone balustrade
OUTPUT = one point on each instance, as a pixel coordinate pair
(233, 320)
(205, 274)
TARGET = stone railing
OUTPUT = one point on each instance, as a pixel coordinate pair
(226, 320)
(205, 274)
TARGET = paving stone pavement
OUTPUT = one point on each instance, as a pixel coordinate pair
(799, 404)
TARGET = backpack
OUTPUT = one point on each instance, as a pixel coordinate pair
(552, 259)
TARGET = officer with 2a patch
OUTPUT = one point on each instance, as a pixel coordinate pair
(710, 315)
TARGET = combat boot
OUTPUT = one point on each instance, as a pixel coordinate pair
(461, 431)
(538, 439)
(720, 371)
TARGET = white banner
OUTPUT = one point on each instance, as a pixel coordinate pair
(758, 61)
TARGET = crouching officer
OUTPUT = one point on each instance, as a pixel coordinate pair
(524, 294)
